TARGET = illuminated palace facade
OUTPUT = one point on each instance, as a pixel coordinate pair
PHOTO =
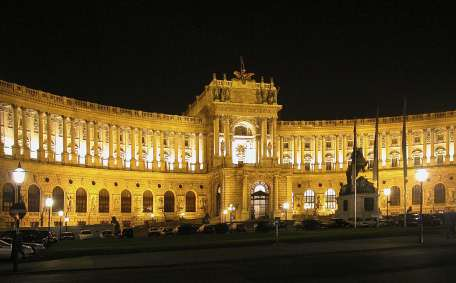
(228, 152)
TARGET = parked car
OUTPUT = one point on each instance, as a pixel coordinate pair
(337, 223)
(263, 226)
(6, 249)
(185, 229)
(85, 234)
(413, 219)
(106, 234)
(68, 235)
(431, 220)
(36, 247)
(156, 231)
(206, 229)
(310, 224)
(127, 233)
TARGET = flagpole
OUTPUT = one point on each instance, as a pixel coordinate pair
(404, 157)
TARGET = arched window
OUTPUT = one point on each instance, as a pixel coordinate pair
(416, 194)
(395, 197)
(125, 201)
(309, 199)
(103, 201)
(169, 202)
(59, 199)
(439, 193)
(81, 200)
(330, 197)
(148, 201)
(190, 202)
(7, 197)
(242, 131)
(33, 199)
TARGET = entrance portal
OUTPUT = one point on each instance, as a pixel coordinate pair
(259, 201)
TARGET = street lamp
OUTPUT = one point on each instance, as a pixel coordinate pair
(387, 193)
(17, 211)
(60, 224)
(66, 219)
(49, 202)
(225, 212)
(231, 208)
(286, 206)
(421, 175)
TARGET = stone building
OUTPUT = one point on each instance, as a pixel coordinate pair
(228, 150)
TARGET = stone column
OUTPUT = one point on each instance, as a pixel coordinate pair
(295, 152)
(119, 160)
(344, 151)
(2, 131)
(133, 148)
(184, 162)
(140, 149)
(323, 152)
(74, 155)
(16, 149)
(197, 152)
(410, 143)
(276, 195)
(275, 141)
(111, 145)
(88, 156)
(303, 143)
(50, 152)
(264, 141)
(281, 150)
(424, 143)
(447, 145)
(176, 151)
(41, 152)
(25, 146)
(315, 138)
(65, 157)
(431, 130)
(162, 151)
(226, 135)
(387, 148)
(216, 136)
(245, 198)
(154, 150)
(96, 141)
(204, 144)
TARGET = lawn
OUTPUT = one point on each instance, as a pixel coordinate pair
(97, 246)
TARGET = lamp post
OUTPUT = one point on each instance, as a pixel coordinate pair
(225, 212)
(421, 176)
(49, 202)
(286, 206)
(231, 208)
(387, 193)
(17, 211)
(60, 224)
(66, 219)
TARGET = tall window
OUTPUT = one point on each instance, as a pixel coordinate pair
(59, 199)
(148, 202)
(169, 202)
(125, 201)
(7, 197)
(330, 197)
(416, 194)
(190, 202)
(440, 159)
(417, 160)
(33, 199)
(103, 201)
(395, 198)
(81, 200)
(309, 199)
(439, 193)
(328, 165)
(394, 162)
(368, 204)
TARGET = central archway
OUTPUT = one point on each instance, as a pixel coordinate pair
(259, 200)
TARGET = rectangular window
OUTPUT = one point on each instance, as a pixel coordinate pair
(345, 205)
(285, 145)
(417, 161)
(394, 162)
(81, 223)
(417, 140)
(328, 166)
(307, 145)
(186, 143)
(440, 159)
(370, 164)
(350, 144)
(440, 138)
(368, 204)
(394, 141)
(307, 166)
(328, 145)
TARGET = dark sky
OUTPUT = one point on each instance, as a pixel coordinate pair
(332, 59)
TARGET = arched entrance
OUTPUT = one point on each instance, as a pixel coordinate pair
(259, 201)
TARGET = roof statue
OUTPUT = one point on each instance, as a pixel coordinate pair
(243, 75)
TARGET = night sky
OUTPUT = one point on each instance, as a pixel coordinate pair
(333, 59)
